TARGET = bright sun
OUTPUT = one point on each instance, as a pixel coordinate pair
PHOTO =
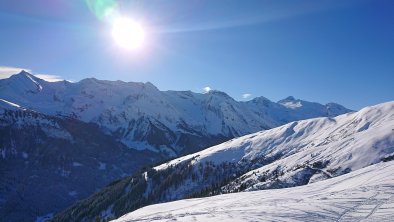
(127, 33)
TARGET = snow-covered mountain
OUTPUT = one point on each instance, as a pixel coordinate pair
(143, 117)
(363, 195)
(62, 141)
(306, 151)
(47, 163)
(294, 154)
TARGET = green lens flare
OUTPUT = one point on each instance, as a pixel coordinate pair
(102, 8)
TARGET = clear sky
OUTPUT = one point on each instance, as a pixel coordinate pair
(336, 50)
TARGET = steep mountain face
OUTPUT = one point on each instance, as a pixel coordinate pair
(144, 118)
(47, 162)
(364, 195)
(294, 154)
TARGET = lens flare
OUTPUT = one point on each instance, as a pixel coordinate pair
(102, 9)
(127, 33)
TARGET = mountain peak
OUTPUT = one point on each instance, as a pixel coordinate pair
(25, 80)
(24, 74)
(288, 99)
(291, 103)
(333, 109)
(261, 99)
(217, 92)
(219, 95)
(89, 80)
(150, 85)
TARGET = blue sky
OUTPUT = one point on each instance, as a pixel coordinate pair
(341, 51)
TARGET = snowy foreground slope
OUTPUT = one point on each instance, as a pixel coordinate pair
(366, 194)
(295, 154)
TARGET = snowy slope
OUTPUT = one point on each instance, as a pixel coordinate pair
(294, 154)
(364, 195)
(7, 105)
(349, 141)
(143, 117)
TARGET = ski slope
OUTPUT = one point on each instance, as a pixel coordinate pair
(363, 195)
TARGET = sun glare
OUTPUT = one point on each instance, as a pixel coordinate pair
(127, 33)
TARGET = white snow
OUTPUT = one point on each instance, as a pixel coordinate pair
(347, 143)
(114, 105)
(10, 103)
(48, 125)
(351, 141)
(366, 194)
(34, 81)
(292, 105)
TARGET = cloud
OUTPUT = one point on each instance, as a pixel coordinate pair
(206, 89)
(7, 71)
(49, 78)
(246, 95)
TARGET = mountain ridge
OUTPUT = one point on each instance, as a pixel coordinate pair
(135, 120)
(297, 153)
(133, 111)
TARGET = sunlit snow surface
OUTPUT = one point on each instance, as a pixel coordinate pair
(350, 141)
(366, 194)
(133, 108)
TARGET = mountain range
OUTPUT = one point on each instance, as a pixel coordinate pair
(144, 118)
(298, 153)
(62, 141)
